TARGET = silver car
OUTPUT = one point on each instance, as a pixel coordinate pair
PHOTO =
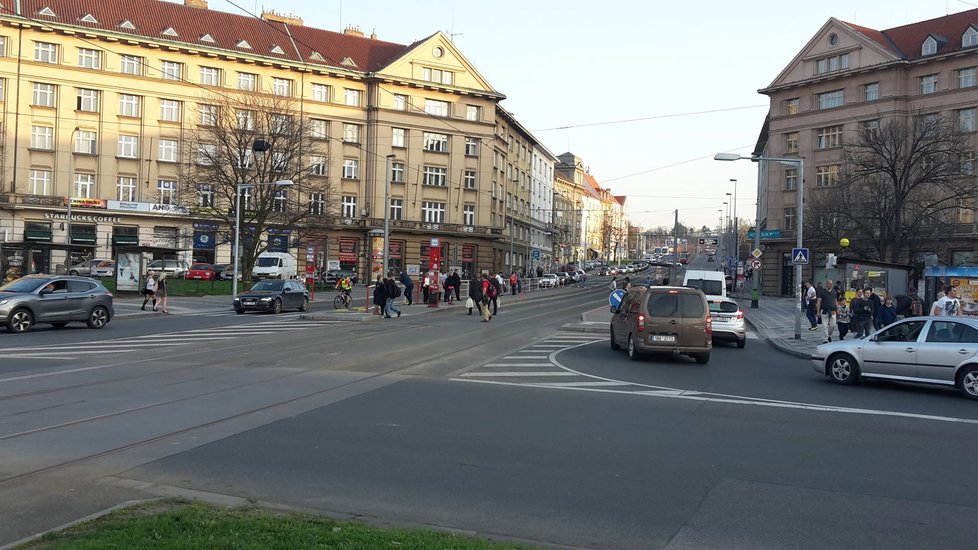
(728, 320)
(932, 350)
(84, 268)
(54, 299)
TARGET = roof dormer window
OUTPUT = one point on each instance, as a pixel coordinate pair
(929, 47)
(47, 11)
(88, 18)
(127, 24)
(169, 32)
(243, 44)
(207, 38)
(278, 49)
(969, 38)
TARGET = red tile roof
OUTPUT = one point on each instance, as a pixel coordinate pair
(905, 41)
(152, 17)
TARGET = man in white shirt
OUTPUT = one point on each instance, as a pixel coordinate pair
(948, 306)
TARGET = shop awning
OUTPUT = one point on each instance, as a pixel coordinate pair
(83, 238)
(37, 235)
(125, 240)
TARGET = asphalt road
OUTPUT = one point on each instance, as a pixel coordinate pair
(512, 428)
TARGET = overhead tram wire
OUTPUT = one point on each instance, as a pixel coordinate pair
(656, 117)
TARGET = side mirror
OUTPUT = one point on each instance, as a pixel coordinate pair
(286, 289)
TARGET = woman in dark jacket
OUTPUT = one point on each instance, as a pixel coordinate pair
(887, 312)
(475, 292)
(380, 298)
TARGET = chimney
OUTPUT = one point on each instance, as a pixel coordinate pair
(373, 35)
(353, 31)
(202, 4)
(276, 17)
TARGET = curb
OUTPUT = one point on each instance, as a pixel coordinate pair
(776, 343)
(73, 523)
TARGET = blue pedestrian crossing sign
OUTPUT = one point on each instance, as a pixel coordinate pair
(799, 256)
(616, 297)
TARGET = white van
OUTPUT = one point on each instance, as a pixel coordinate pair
(712, 283)
(274, 265)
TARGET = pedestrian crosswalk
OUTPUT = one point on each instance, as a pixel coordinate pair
(175, 339)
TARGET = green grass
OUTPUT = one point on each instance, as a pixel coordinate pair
(181, 525)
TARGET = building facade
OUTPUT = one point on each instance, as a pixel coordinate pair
(103, 103)
(846, 79)
(542, 230)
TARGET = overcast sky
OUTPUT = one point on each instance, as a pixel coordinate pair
(691, 69)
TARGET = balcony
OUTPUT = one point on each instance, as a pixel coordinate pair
(422, 227)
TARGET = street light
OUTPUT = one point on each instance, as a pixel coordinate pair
(736, 230)
(800, 222)
(729, 204)
(238, 188)
(387, 215)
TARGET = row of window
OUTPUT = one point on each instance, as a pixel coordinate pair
(431, 211)
(932, 44)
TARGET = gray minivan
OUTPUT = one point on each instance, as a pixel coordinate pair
(663, 319)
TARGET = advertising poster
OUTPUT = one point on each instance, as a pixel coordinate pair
(127, 270)
(967, 294)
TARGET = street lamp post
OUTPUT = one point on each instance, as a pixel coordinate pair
(387, 215)
(238, 188)
(729, 204)
(736, 229)
(800, 222)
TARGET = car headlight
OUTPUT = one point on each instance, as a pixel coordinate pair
(2, 302)
(236, 299)
(266, 299)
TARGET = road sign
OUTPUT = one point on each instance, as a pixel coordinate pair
(616, 297)
(709, 241)
(757, 253)
(799, 256)
(535, 254)
(755, 264)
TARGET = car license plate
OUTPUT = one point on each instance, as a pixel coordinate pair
(248, 302)
(663, 338)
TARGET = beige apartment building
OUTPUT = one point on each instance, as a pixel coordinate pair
(99, 103)
(848, 77)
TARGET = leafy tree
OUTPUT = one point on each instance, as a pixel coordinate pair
(902, 183)
(227, 152)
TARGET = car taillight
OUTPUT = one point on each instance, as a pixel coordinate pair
(641, 323)
(740, 314)
(709, 325)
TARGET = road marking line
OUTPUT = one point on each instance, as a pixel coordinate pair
(579, 384)
(521, 374)
(75, 352)
(504, 365)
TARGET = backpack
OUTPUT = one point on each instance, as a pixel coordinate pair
(396, 291)
(491, 291)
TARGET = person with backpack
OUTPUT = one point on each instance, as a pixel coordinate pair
(392, 291)
(485, 285)
(408, 287)
(495, 287)
(475, 295)
(380, 298)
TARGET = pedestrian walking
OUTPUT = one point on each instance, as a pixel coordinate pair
(539, 272)
(149, 291)
(626, 284)
(380, 298)
(392, 291)
(492, 293)
(485, 285)
(828, 310)
(408, 287)
(862, 314)
(810, 301)
(948, 306)
(475, 295)
(874, 300)
(514, 282)
(614, 284)
(161, 293)
(887, 312)
(842, 320)
(425, 288)
(934, 309)
(456, 281)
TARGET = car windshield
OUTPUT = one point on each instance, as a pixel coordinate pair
(200, 267)
(267, 262)
(24, 285)
(723, 307)
(709, 287)
(274, 286)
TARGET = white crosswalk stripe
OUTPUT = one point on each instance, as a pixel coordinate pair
(169, 339)
(532, 364)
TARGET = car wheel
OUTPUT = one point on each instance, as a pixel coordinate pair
(742, 343)
(277, 306)
(238, 310)
(305, 304)
(98, 317)
(968, 382)
(843, 369)
(59, 324)
(702, 358)
(20, 321)
(633, 352)
(614, 345)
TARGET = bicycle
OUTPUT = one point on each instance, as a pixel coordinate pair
(343, 300)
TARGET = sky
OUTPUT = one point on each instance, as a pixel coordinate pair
(573, 70)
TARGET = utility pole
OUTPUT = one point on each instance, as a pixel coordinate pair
(675, 250)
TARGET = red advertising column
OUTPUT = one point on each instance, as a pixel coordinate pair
(434, 268)
(311, 271)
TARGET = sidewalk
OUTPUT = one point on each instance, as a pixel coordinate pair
(774, 320)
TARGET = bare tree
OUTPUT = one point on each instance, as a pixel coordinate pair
(251, 139)
(901, 184)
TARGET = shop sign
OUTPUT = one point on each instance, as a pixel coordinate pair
(77, 202)
(348, 250)
(82, 217)
(154, 208)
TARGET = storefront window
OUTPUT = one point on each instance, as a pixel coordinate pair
(349, 249)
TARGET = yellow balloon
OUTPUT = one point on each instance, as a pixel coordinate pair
(844, 242)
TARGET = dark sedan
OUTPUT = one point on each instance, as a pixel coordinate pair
(54, 299)
(274, 296)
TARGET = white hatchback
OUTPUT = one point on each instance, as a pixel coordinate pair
(549, 280)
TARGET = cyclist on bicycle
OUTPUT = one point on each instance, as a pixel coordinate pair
(344, 285)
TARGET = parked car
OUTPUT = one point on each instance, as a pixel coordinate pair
(931, 350)
(334, 275)
(564, 278)
(604, 271)
(105, 268)
(663, 319)
(224, 271)
(173, 268)
(54, 299)
(728, 321)
(203, 272)
(84, 268)
(549, 280)
(273, 295)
